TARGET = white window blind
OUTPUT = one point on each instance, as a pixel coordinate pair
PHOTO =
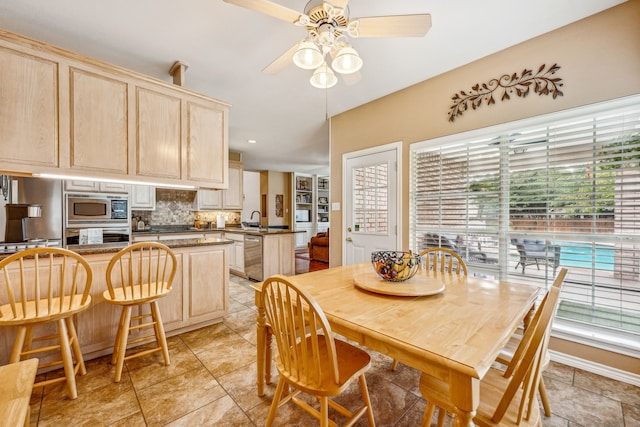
(523, 199)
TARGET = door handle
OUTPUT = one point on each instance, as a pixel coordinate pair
(349, 239)
(349, 229)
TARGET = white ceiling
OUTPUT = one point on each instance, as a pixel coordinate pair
(227, 46)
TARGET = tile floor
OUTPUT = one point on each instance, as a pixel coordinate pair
(211, 382)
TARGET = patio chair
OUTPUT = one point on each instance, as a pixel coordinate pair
(533, 251)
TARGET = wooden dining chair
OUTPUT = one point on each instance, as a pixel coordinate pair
(440, 260)
(139, 275)
(43, 286)
(516, 345)
(443, 260)
(310, 359)
(505, 400)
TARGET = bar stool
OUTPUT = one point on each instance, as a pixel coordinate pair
(40, 286)
(137, 275)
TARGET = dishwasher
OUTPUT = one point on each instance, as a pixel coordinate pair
(253, 257)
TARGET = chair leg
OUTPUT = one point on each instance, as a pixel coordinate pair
(367, 400)
(268, 355)
(428, 414)
(442, 414)
(394, 364)
(18, 344)
(543, 397)
(67, 360)
(121, 341)
(159, 329)
(275, 403)
(324, 411)
(75, 346)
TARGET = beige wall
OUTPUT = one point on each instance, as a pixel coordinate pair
(599, 58)
(274, 183)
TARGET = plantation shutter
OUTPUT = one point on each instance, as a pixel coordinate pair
(567, 184)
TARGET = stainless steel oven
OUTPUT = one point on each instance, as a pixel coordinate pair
(96, 210)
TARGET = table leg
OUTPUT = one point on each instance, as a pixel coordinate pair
(260, 350)
(465, 395)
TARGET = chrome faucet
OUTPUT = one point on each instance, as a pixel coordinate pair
(253, 213)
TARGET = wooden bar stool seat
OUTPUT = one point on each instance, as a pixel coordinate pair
(42, 286)
(139, 275)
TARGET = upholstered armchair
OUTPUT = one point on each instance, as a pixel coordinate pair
(533, 251)
(319, 247)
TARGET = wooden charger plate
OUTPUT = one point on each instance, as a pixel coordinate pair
(418, 285)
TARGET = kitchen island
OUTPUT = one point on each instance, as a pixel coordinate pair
(199, 297)
(256, 253)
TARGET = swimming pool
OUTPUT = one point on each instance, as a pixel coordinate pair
(584, 256)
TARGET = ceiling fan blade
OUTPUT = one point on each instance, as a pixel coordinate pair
(268, 8)
(392, 26)
(281, 62)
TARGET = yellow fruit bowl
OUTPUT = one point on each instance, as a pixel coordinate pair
(395, 266)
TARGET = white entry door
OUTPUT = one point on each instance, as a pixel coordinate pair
(371, 202)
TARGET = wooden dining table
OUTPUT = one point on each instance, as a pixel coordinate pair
(454, 334)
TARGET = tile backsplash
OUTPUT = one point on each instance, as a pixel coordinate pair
(177, 207)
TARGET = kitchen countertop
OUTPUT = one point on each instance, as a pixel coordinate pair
(185, 229)
(177, 243)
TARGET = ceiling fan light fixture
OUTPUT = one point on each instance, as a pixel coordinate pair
(308, 56)
(346, 61)
(323, 77)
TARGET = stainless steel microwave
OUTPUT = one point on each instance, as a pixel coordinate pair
(97, 210)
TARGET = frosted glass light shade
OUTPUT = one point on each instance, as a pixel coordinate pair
(346, 61)
(308, 56)
(323, 77)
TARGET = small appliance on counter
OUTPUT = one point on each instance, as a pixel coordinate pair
(34, 216)
(17, 216)
(220, 221)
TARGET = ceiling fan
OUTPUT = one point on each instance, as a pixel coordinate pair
(328, 25)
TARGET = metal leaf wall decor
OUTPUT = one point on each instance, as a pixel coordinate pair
(542, 83)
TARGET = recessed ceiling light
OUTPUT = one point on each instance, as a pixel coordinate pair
(252, 141)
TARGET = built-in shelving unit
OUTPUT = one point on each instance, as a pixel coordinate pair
(311, 206)
(322, 203)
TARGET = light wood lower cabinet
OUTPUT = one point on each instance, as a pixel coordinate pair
(200, 296)
(278, 254)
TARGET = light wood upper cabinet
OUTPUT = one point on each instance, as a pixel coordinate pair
(143, 197)
(29, 121)
(209, 200)
(158, 126)
(234, 195)
(99, 123)
(207, 144)
(61, 112)
(229, 199)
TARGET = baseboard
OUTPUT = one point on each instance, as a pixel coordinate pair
(596, 368)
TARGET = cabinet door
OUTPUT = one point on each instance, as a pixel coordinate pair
(207, 145)
(143, 197)
(158, 134)
(81, 185)
(233, 196)
(99, 123)
(208, 292)
(209, 200)
(114, 187)
(239, 256)
(29, 121)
